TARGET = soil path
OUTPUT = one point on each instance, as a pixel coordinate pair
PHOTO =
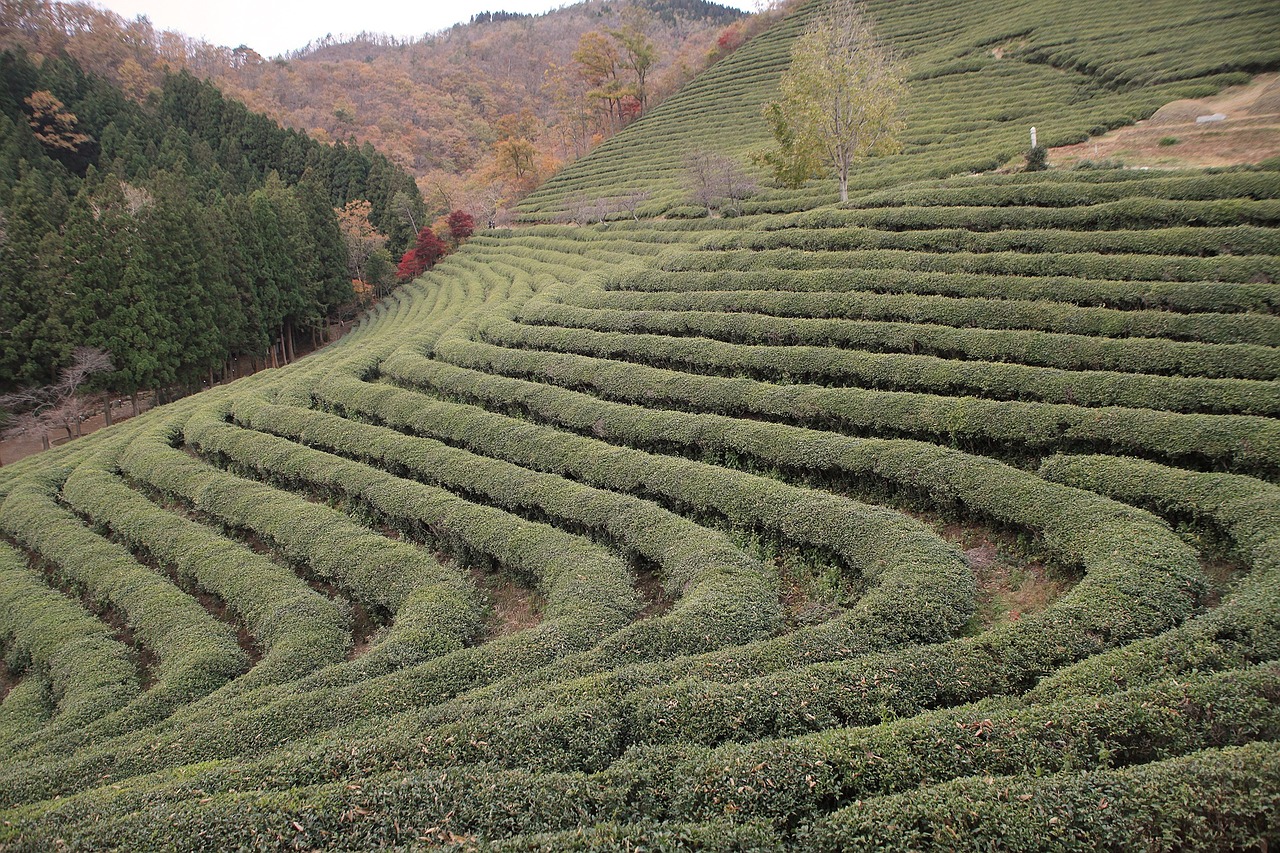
(1172, 138)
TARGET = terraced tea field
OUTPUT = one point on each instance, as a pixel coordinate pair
(676, 534)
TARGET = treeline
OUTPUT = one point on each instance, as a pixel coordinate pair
(180, 234)
(490, 17)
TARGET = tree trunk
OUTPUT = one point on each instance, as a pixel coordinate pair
(133, 400)
(106, 410)
(289, 356)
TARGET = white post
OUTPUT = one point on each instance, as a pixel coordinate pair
(1033, 137)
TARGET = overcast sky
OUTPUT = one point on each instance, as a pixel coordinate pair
(272, 27)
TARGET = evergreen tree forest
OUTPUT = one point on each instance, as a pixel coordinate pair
(182, 234)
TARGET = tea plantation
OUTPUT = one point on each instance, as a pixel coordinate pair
(651, 534)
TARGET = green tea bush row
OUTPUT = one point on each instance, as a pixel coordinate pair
(1255, 329)
(1043, 349)
(785, 783)
(1112, 555)
(433, 606)
(898, 559)
(734, 596)
(837, 367)
(1218, 799)
(1127, 213)
(570, 568)
(1183, 297)
(1241, 240)
(1139, 580)
(195, 653)
(89, 673)
(27, 706)
(299, 629)
(1243, 512)
(1241, 442)
(1249, 268)
(1076, 189)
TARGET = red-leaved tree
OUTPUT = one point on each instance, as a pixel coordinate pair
(422, 256)
(461, 226)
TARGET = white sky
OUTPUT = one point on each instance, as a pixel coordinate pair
(272, 27)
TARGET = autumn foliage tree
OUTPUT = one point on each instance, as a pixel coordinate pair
(362, 240)
(423, 256)
(461, 226)
(840, 98)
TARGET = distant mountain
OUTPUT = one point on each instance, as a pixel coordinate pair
(436, 104)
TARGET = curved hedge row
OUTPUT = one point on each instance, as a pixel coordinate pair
(1117, 700)
(1181, 296)
(829, 367)
(1218, 799)
(1129, 213)
(1241, 511)
(898, 560)
(1243, 443)
(1033, 349)
(730, 597)
(195, 653)
(973, 312)
(1141, 268)
(89, 673)
(798, 778)
(434, 608)
(1074, 189)
(299, 629)
(1235, 240)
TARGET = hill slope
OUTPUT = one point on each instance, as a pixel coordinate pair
(946, 519)
(979, 78)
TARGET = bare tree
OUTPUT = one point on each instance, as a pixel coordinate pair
(632, 201)
(40, 411)
(581, 209)
(717, 181)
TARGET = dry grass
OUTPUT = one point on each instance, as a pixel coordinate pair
(1249, 134)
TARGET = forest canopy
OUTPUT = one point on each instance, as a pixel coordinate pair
(179, 233)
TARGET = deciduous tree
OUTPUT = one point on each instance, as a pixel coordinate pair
(53, 124)
(461, 226)
(840, 97)
(39, 411)
(717, 181)
(636, 52)
(426, 251)
(359, 235)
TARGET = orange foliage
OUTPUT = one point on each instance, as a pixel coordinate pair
(433, 105)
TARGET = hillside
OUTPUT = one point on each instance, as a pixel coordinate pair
(180, 236)
(436, 104)
(979, 79)
(943, 519)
